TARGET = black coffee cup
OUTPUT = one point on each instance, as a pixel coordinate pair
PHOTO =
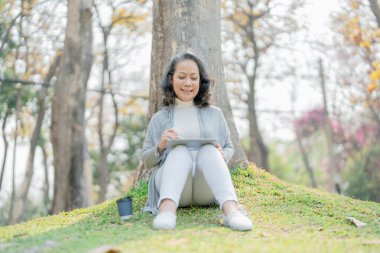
(124, 205)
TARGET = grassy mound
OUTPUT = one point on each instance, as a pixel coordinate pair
(287, 218)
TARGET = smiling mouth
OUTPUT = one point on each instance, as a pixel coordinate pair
(187, 91)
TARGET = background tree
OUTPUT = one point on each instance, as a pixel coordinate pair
(24, 188)
(67, 127)
(114, 19)
(357, 51)
(256, 26)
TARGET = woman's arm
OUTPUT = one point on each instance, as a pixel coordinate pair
(228, 147)
(150, 156)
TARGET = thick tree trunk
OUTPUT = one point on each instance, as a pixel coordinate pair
(375, 10)
(24, 189)
(333, 167)
(181, 25)
(68, 137)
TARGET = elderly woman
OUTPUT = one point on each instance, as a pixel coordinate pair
(183, 177)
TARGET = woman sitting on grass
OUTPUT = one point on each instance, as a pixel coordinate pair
(182, 177)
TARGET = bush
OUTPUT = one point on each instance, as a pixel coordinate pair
(363, 175)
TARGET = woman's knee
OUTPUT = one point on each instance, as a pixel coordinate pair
(207, 151)
(181, 154)
(180, 150)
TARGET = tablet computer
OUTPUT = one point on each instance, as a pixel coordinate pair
(191, 144)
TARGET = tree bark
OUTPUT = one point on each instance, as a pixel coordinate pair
(88, 177)
(13, 193)
(5, 154)
(182, 25)
(375, 10)
(333, 167)
(305, 160)
(46, 187)
(24, 189)
(69, 98)
(258, 151)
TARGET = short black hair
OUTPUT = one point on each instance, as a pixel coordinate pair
(202, 99)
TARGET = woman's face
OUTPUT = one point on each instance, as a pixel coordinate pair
(186, 80)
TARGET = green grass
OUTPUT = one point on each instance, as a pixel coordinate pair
(287, 218)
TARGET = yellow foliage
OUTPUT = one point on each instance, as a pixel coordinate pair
(27, 123)
(372, 86)
(365, 44)
(28, 6)
(375, 75)
(355, 5)
(256, 13)
(27, 75)
(354, 100)
(240, 18)
(375, 64)
(355, 20)
(59, 53)
(377, 34)
(123, 17)
(130, 106)
(41, 70)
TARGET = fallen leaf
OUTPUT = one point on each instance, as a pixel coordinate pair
(356, 222)
(105, 249)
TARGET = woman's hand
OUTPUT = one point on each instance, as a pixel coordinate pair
(168, 134)
(220, 149)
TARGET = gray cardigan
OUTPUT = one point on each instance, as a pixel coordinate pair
(212, 124)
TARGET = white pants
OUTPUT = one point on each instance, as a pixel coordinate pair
(211, 180)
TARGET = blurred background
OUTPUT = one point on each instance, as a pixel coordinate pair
(305, 73)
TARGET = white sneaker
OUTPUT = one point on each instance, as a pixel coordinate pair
(165, 220)
(237, 221)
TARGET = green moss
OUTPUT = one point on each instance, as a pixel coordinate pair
(288, 218)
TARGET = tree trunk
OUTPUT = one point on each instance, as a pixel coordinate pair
(258, 152)
(333, 167)
(67, 127)
(105, 148)
(24, 189)
(13, 193)
(305, 160)
(46, 187)
(5, 154)
(88, 177)
(181, 25)
(375, 10)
